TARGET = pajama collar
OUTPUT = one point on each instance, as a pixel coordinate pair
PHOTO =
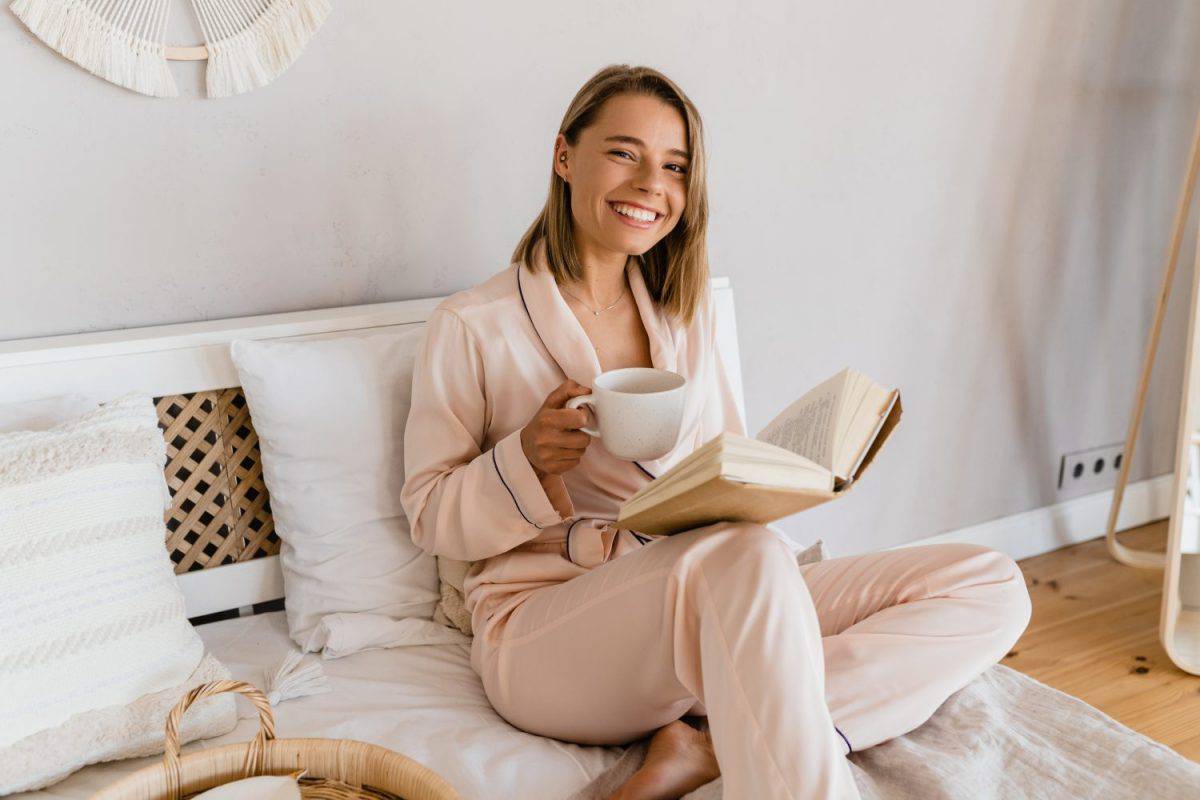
(568, 343)
(566, 339)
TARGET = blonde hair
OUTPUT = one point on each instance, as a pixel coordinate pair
(675, 269)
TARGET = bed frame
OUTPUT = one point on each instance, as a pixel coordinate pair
(220, 533)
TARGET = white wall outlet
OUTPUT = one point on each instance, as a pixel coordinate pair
(1092, 470)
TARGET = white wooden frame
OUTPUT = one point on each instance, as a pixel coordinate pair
(1179, 624)
(194, 356)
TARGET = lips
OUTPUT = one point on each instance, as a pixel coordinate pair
(631, 221)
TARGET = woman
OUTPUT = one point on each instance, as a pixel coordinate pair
(596, 635)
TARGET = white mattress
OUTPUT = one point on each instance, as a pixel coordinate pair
(423, 701)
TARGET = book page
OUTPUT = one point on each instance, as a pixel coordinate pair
(806, 426)
(890, 401)
(727, 453)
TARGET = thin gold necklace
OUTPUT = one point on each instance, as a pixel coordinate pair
(589, 308)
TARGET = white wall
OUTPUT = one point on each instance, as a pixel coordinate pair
(968, 200)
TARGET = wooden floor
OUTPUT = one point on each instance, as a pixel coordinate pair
(1094, 635)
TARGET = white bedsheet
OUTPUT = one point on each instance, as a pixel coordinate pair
(423, 701)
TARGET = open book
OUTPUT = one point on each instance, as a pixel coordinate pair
(814, 451)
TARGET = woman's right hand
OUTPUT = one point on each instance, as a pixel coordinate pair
(552, 440)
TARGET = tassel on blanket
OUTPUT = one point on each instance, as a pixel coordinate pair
(118, 41)
(252, 42)
(291, 679)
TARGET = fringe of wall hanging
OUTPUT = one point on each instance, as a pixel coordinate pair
(250, 42)
(119, 40)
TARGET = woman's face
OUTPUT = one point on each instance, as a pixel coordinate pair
(628, 177)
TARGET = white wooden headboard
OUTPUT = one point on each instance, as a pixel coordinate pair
(190, 357)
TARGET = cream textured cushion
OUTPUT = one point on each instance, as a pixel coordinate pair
(330, 416)
(117, 732)
(91, 616)
(452, 607)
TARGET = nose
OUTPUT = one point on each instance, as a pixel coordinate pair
(649, 179)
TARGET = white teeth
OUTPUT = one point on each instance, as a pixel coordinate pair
(634, 212)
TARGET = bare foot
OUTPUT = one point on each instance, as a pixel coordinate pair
(679, 759)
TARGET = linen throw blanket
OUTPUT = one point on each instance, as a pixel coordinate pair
(1004, 735)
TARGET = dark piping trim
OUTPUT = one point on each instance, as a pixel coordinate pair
(510, 491)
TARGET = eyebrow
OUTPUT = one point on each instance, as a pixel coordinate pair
(640, 143)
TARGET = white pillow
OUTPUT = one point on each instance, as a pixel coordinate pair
(330, 417)
(91, 615)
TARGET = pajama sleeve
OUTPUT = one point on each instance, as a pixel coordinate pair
(462, 501)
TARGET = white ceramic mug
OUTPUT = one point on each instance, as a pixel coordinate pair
(638, 411)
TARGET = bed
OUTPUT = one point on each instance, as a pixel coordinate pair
(423, 701)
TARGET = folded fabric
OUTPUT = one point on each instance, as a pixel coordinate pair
(338, 635)
(261, 787)
(814, 552)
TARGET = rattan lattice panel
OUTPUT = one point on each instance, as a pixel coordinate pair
(220, 511)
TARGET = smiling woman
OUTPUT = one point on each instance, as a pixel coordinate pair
(627, 181)
(593, 633)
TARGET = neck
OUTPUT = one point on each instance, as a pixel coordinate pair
(603, 275)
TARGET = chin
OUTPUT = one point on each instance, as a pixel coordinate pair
(644, 248)
(635, 246)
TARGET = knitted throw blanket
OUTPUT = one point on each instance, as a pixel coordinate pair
(250, 42)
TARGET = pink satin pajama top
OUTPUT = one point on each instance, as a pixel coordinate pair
(491, 355)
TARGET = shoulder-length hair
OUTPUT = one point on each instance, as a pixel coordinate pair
(675, 269)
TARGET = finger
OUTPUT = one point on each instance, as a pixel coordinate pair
(574, 453)
(566, 419)
(564, 392)
(560, 465)
(573, 440)
(557, 397)
(560, 444)
(561, 449)
(563, 465)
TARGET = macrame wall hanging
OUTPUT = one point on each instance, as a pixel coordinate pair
(248, 43)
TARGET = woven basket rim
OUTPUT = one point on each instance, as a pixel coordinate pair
(133, 785)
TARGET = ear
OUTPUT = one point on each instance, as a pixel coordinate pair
(562, 168)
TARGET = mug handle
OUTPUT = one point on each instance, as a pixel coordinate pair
(576, 402)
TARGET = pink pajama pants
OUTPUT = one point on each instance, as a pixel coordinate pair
(795, 666)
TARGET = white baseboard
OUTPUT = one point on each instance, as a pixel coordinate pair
(1041, 530)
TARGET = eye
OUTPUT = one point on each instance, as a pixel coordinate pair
(680, 169)
(621, 153)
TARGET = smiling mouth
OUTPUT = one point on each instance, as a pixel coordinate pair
(632, 215)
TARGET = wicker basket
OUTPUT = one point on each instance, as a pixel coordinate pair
(336, 769)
